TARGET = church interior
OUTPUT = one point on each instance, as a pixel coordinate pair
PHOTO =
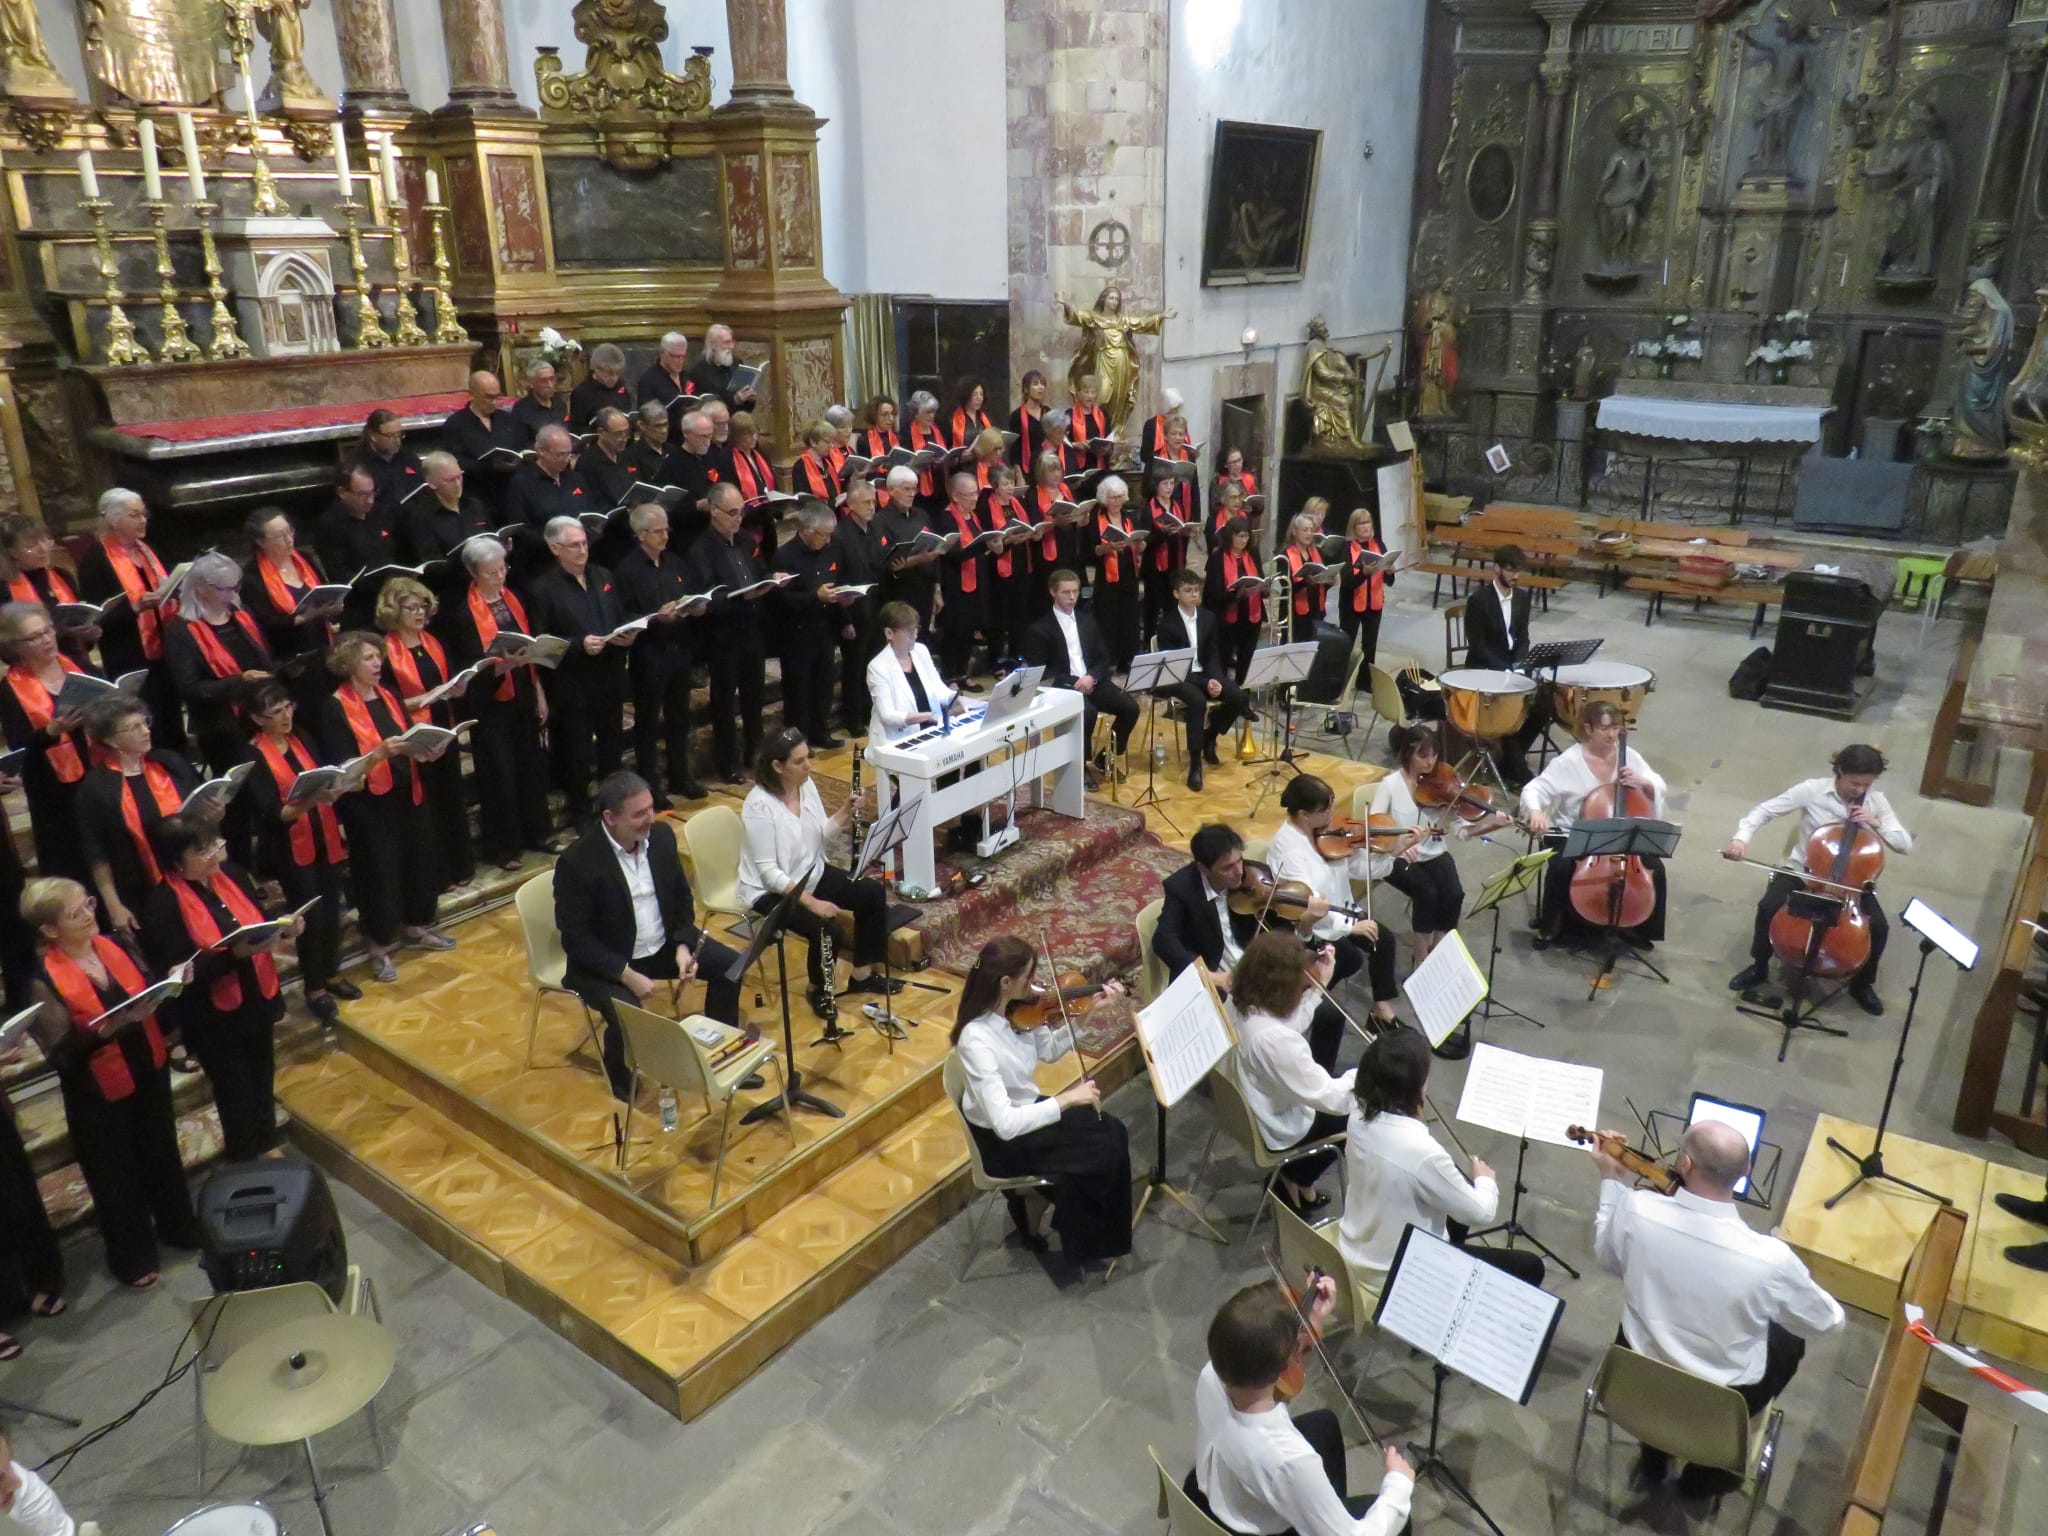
(793, 765)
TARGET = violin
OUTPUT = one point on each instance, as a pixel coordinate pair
(1841, 859)
(1288, 900)
(1613, 890)
(1661, 1177)
(1295, 1376)
(1444, 786)
(1379, 832)
(1070, 993)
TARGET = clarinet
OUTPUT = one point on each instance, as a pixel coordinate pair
(827, 960)
(853, 815)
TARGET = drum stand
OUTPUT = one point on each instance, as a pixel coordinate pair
(1794, 1012)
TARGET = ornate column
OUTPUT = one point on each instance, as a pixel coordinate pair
(1539, 247)
(758, 31)
(1993, 224)
(367, 31)
(479, 62)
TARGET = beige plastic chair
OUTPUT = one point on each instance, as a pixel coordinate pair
(1182, 1515)
(1304, 1245)
(545, 962)
(985, 1183)
(712, 840)
(1696, 1421)
(1233, 1114)
(1386, 700)
(1152, 977)
(670, 1052)
(1256, 849)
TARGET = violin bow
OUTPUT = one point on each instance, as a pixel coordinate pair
(1368, 1037)
(1315, 1339)
(1067, 1018)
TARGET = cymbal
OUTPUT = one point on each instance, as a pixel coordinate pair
(298, 1379)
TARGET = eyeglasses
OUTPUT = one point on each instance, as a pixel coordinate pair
(412, 605)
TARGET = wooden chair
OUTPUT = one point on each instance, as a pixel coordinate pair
(546, 964)
(1454, 635)
(954, 1077)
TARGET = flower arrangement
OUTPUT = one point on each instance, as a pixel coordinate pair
(555, 348)
(1673, 345)
(1785, 343)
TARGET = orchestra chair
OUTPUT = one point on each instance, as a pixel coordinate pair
(1696, 1421)
(1454, 636)
(1233, 1114)
(711, 842)
(223, 1323)
(985, 1183)
(1386, 702)
(668, 1052)
(1256, 849)
(1182, 1515)
(546, 964)
(1304, 1245)
(1152, 977)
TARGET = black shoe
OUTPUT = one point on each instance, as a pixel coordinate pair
(690, 789)
(1697, 1482)
(325, 1009)
(1866, 998)
(1020, 1222)
(1651, 1468)
(2035, 1211)
(1195, 776)
(1308, 1206)
(2031, 1256)
(1209, 753)
(827, 742)
(731, 776)
(347, 991)
(549, 846)
(1744, 980)
(752, 1081)
(875, 982)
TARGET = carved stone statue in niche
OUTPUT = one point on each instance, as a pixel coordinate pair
(284, 30)
(153, 52)
(26, 70)
(1921, 170)
(1977, 425)
(1436, 348)
(1781, 98)
(1585, 365)
(1626, 188)
(1334, 392)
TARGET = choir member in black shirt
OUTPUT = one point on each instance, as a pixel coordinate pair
(1168, 497)
(963, 580)
(610, 466)
(416, 662)
(734, 646)
(650, 576)
(212, 646)
(131, 631)
(29, 549)
(442, 516)
(663, 381)
(969, 418)
(719, 415)
(274, 591)
(1229, 503)
(394, 467)
(1362, 596)
(505, 748)
(879, 435)
(1153, 437)
(55, 751)
(712, 373)
(130, 786)
(1087, 421)
(863, 551)
(577, 600)
(913, 579)
(1230, 471)
(299, 843)
(393, 872)
(1008, 568)
(352, 535)
(543, 404)
(474, 431)
(1241, 616)
(1059, 439)
(229, 1009)
(698, 469)
(549, 487)
(809, 623)
(1118, 570)
(605, 386)
(116, 1087)
(812, 474)
(924, 432)
(1028, 420)
(750, 468)
(654, 435)
(1061, 545)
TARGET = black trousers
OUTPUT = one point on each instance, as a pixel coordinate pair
(1311, 1166)
(586, 731)
(1109, 699)
(737, 664)
(1158, 600)
(1783, 1351)
(511, 779)
(1557, 915)
(1116, 605)
(128, 1153)
(1009, 610)
(391, 862)
(1435, 894)
(31, 1263)
(1525, 1266)
(867, 900)
(319, 946)
(448, 815)
(807, 680)
(17, 939)
(721, 1001)
(854, 656)
(166, 707)
(1320, 1428)
(1364, 627)
(239, 1055)
(1087, 1156)
(1205, 718)
(1377, 959)
(1238, 642)
(1782, 886)
(661, 714)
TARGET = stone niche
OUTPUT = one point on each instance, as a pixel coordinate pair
(281, 272)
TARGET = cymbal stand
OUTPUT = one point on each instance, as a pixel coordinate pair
(1513, 1225)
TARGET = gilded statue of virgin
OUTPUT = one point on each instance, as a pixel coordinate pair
(153, 52)
(1107, 350)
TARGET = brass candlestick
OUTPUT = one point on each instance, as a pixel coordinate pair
(123, 351)
(177, 346)
(241, 30)
(447, 327)
(407, 332)
(226, 341)
(369, 324)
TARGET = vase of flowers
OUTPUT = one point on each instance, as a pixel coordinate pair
(1673, 347)
(557, 349)
(1785, 343)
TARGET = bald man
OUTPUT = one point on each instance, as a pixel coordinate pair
(1701, 1290)
(472, 432)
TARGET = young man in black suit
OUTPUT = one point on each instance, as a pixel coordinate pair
(1070, 647)
(1496, 639)
(1211, 702)
(627, 920)
(1196, 925)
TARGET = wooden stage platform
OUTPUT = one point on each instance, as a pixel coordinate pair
(426, 1103)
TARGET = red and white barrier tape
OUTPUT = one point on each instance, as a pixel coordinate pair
(2012, 1386)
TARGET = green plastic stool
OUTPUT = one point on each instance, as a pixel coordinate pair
(1919, 580)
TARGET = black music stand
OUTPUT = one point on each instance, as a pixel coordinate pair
(770, 931)
(1795, 1010)
(1147, 674)
(1512, 881)
(1619, 836)
(883, 839)
(1548, 656)
(1280, 667)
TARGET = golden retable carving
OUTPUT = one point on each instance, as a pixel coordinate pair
(622, 86)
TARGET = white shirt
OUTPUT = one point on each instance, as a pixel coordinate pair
(1700, 1288)
(1292, 856)
(1002, 1089)
(36, 1510)
(1560, 790)
(1220, 900)
(892, 702)
(1188, 620)
(1070, 631)
(1819, 805)
(1280, 1079)
(1506, 596)
(1396, 1175)
(780, 844)
(650, 934)
(1260, 1475)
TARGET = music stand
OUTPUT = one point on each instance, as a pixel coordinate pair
(1517, 878)
(769, 931)
(1184, 1034)
(883, 839)
(1619, 837)
(1279, 667)
(1149, 673)
(1795, 1011)
(1548, 656)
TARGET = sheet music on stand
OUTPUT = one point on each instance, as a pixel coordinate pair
(1445, 988)
(1184, 1033)
(1280, 665)
(1548, 655)
(1474, 1319)
(1529, 1097)
(1159, 669)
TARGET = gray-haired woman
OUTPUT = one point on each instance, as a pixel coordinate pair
(506, 756)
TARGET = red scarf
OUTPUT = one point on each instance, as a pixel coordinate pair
(1368, 595)
(163, 789)
(286, 763)
(751, 473)
(407, 670)
(921, 438)
(1049, 545)
(970, 566)
(140, 582)
(205, 932)
(67, 977)
(39, 706)
(965, 426)
(998, 513)
(1244, 607)
(821, 480)
(219, 660)
(23, 590)
(1297, 557)
(875, 442)
(1243, 479)
(1170, 550)
(1089, 421)
(1221, 516)
(281, 595)
(357, 709)
(835, 459)
(1111, 567)
(487, 630)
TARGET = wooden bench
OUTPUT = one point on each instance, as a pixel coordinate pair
(1657, 590)
(1472, 566)
(1680, 533)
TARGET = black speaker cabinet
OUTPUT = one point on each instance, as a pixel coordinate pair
(271, 1222)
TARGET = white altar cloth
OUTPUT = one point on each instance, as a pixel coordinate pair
(1706, 421)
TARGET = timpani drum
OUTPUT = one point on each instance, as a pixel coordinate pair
(1484, 704)
(227, 1520)
(1620, 683)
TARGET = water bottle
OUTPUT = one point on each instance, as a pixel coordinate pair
(669, 1119)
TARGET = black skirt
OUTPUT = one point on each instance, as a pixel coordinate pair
(1087, 1156)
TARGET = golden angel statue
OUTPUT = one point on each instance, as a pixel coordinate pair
(26, 69)
(1107, 351)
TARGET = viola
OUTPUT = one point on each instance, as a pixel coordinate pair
(1613, 890)
(1344, 837)
(1661, 1177)
(1042, 1004)
(1287, 900)
(1295, 1376)
(1844, 858)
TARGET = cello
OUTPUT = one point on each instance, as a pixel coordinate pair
(1615, 890)
(1842, 858)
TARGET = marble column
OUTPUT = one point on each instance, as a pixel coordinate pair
(758, 32)
(479, 61)
(367, 31)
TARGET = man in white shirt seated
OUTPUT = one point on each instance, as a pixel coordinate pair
(1259, 1472)
(1702, 1291)
(28, 1505)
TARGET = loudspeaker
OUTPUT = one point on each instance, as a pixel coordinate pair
(271, 1222)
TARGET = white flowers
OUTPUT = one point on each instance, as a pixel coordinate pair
(555, 341)
(1775, 352)
(1687, 347)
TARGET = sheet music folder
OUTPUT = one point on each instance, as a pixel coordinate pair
(1468, 1316)
(1184, 1032)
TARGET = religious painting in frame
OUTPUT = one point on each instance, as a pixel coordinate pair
(1262, 191)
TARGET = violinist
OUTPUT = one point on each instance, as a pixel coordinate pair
(1701, 1290)
(1258, 1468)
(1557, 797)
(1293, 1098)
(1419, 863)
(1848, 796)
(1196, 922)
(1062, 1137)
(1360, 940)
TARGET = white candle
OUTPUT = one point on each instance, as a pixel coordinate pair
(152, 172)
(249, 92)
(195, 173)
(88, 178)
(390, 172)
(433, 187)
(341, 176)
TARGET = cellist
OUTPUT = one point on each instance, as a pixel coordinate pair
(1556, 797)
(1847, 796)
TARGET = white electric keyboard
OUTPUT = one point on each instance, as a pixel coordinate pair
(1037, 753)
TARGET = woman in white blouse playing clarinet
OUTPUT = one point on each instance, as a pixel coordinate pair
(1556, 798)
(787, 839)
(904, 685)
(1293, 1099)
(1022, 1131)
